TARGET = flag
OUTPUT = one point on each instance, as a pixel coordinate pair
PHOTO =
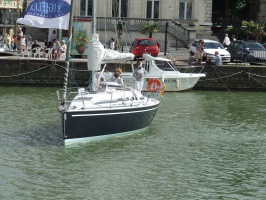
(47, 14)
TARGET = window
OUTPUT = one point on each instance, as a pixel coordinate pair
(85, 7)
(164, 65)
(152, 9)
(185, 10)
(119, 8)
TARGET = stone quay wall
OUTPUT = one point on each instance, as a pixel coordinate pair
(37, 72)
(230, 77)
(45, 73)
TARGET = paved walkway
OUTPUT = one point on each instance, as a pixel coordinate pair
(179, 56)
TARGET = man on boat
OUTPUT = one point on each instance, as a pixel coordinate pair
(138, 74)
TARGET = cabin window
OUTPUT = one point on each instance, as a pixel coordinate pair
(111, 67)
(85, 7)
(119, 8)
(164, 65)
(185, 10)
(152, 9)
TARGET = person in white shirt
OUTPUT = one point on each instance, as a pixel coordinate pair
(61, 49)
(226, 41)
(138, 75)
(112, 44)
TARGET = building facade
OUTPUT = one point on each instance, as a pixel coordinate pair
(186, 19)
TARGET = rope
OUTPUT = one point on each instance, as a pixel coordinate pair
(256, 75)
(250, 76)
(24, 73)
(221, 77)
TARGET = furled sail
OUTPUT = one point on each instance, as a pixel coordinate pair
(97, 55)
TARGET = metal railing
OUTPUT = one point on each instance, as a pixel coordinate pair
(177, 28)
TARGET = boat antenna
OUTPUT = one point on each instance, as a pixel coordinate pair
(68, 48)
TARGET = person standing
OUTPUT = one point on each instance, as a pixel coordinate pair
(8, 41)
(218, 59)
(20, 39)
(200, 49)
(226, 41)
(138, 74)
(52, 36)
(112, 44)
(233, 38)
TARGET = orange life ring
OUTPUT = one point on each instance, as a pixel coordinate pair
(154, 85)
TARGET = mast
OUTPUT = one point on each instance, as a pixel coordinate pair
(93, 75)
(70, 30)
(94, 17)
(70, 24)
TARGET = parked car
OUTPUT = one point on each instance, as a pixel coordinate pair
(145, 45)
(247, 51)
(210, 46)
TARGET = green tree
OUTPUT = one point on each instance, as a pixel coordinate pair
(253, 30)
(149, 29)
(249, 31)
(237, 5)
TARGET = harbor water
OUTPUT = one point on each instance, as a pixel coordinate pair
(201, 145)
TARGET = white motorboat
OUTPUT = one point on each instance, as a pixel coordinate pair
(158, 68)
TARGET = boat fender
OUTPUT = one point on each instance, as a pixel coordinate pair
(177, 83)
(162, 79)
(154, 85)
(163, 89)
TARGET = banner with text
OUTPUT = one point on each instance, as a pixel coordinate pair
(47, 14)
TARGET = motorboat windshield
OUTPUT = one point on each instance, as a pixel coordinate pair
(165, 65)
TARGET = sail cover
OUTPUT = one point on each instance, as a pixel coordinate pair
(47, 14)
(97, 55)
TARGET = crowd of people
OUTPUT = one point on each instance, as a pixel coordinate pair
(18, 42)
(202, 57)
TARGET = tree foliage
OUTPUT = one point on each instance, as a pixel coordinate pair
(237, 5)
(249, 31)
(149, 29)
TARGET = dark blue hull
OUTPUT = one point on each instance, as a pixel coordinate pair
(85, 124)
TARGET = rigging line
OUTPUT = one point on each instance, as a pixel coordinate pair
(72, 76)
(129, 35)
(24, 73)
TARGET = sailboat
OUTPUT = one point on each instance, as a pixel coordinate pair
(103, 109)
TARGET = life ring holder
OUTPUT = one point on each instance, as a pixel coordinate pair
(154, 85)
